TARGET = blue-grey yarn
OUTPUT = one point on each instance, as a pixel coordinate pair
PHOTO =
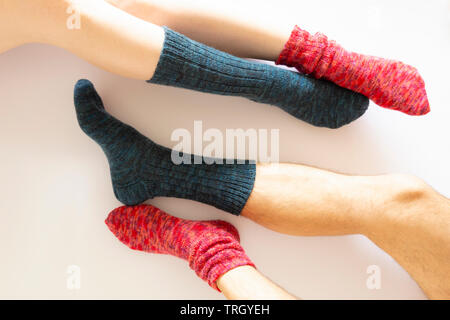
(141, 169)
(189, 64)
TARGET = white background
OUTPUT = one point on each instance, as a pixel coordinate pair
(55, 187)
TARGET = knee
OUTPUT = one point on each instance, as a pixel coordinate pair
(409, 189)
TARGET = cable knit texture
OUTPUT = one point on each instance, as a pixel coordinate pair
(188, 64)
(211, 247)
(141, 169)
(390, 84)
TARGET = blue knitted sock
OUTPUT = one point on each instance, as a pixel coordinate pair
(141, 169)
(188, 64)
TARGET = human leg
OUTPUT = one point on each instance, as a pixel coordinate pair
(390, 84)
(287, 198)
(400, 213)
(247, 283)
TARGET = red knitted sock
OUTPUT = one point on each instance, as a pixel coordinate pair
(211, 247)
(390, 84)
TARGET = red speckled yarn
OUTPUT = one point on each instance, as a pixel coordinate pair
(390, 84)
(211, 247)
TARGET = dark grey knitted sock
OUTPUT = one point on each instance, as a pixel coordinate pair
(188, 64)
(141, 169)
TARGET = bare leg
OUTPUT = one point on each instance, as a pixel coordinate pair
(400, 213)
(108, 37)
(227, 26)
(126, 45)
(246, 283)
(123, 44)
(300, 200)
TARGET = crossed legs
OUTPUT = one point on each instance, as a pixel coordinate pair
(401, 214)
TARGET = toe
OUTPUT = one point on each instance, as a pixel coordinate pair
(86, 97)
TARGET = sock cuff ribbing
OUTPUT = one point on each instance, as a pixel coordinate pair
(173, 46)
(224, 186)
(190, 64)
(228, 187)
(310, 54)
(212, 248)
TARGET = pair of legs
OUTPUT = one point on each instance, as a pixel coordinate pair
(104, 33)
(401, 214)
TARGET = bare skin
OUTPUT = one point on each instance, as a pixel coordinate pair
(247, 283)
(401, 214)
(108, 37)
(241, 32)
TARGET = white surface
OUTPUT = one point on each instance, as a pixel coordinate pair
(56, 191)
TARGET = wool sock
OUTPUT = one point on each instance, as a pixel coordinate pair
(188, 64)
(211, 247)
(141, 169)
(390, 84)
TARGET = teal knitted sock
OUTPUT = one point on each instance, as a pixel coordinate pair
(188, 64)
(141, 169)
